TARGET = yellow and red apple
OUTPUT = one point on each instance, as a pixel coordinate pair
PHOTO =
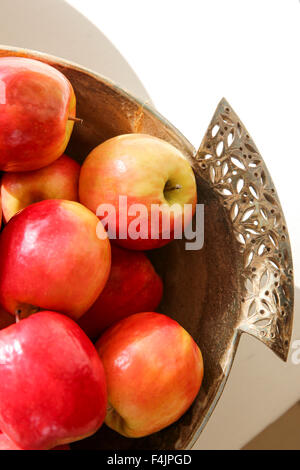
(154, 371)
(52, 258)
(59, 180)
(133, 286)
(149, 172)
(36, 104)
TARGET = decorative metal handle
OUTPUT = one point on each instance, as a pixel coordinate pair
(230, 162)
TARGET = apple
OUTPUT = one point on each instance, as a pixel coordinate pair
(7, 444)
(37, 110)
(133, 286)
(148, 171)
(52, 259)
(52, 382)
(59, 180)
(154, 370)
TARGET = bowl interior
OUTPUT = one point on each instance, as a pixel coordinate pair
(200, 286)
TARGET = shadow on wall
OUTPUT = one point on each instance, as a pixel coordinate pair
(283, 434)
(260, 390)
(55, 27)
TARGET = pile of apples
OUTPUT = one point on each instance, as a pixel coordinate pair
(80, 341)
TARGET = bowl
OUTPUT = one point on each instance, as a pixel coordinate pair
(241, 281)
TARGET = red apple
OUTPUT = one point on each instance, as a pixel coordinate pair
(59, 180)
(52, 259)
(154, 371)
(133, 286)
(7, 444)
(148, 171)
(52, 382)
(36, 102)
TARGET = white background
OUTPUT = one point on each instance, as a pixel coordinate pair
(188, 54)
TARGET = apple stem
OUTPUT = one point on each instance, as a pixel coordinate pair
(177, 186)
(18, 314)
(75, 119)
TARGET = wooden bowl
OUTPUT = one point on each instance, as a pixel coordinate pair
(240, 281)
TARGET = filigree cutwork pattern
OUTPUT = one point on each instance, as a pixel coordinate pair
(229, 160)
